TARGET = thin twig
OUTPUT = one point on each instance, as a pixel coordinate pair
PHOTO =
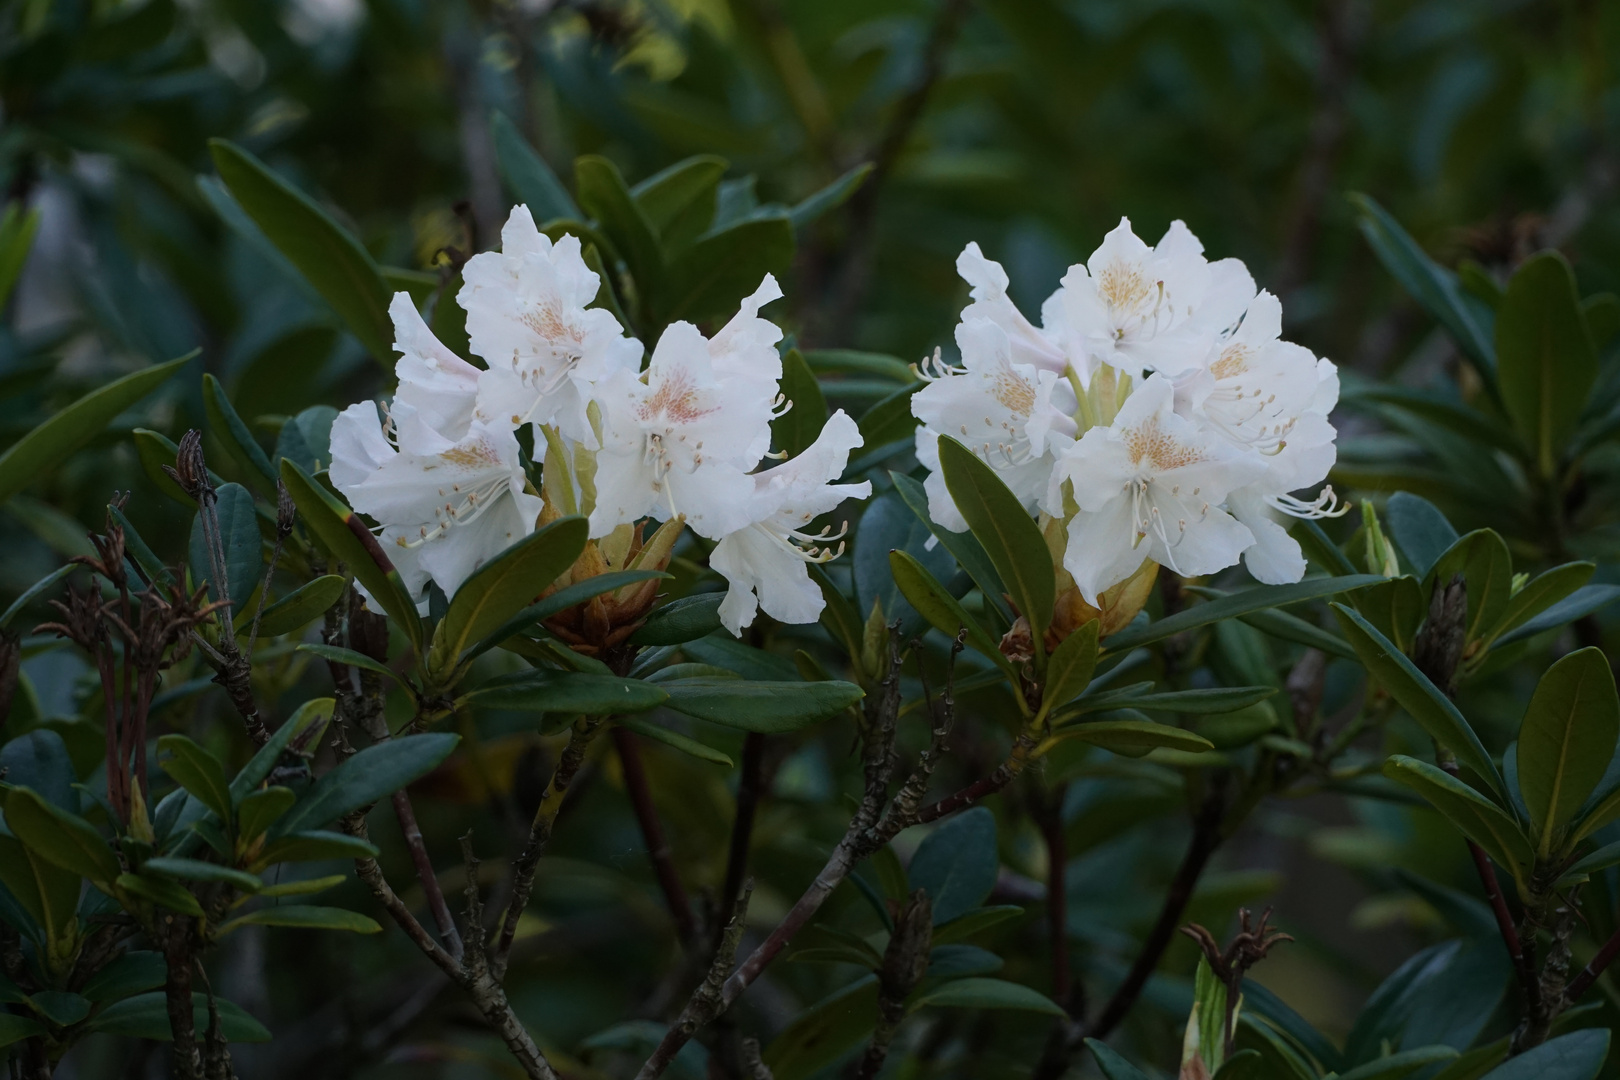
(652, 833)
(750, 788)
(709, 1000)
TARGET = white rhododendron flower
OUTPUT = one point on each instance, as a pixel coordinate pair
(526, 316)
(1155, 413)
(766, 560)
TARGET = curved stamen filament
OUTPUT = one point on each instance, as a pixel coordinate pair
(1325, 505)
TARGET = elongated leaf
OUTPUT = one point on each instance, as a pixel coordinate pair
(680, 621)
(1483, 559)
(561, 600)
(260, 809)
(1583, 601)
(315, 711)
(505, 586)
(1576, 1056)
(1112, 1065)
(766, 707)
(236, 437)
(528, 176)
(988, 994)
(1601, 859)
(157, 450)
(34, 591)
(315, 845)
(1069, 671)
(1542, 592)
(148, 567)
(1420, 530)
(1010, 537)
(1432, 286)
(198, 771)
(306, 917)
(855, 362)
(679, 200)
(603, 195)
(17, 229)
(683, 743)
(197, 870)
(544, 690)
(1220, 699)
(130, 973)
(1235, 605)
(53, 441)
(1566, 741)
(793, 431)
(957, 864)
(305, 887)
(1546, 363)
(830, 197)
(1422, 700)
(962, 545)
(346, 656)
(890, 419)
(240, 543)
(60, 838)
(302, 606)
(329, 257)
(1481, 820)
(159, 890)
(330, 521)
(824, 1033)
(708, 279)
(40, 762)
(942, 610)
(1134, 738)
(366, 777)
(146, 1016)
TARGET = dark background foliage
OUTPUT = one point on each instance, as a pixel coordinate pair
(1487, 128)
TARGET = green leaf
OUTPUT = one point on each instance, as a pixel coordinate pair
(1583, 601)
(1228, 731)
(792, 432)
(198, 870)
(148, 566)
(1219, 699)
(1483, 559)
(1134, 738)
(972, 923)
(1546, 363)
(708, 279)
(1112, 1065)
(1069, 671)
(1577, 1056)
(766, 707)
(199, 772)
(1541, 592)
(962, 545)
(1481, 820)
(305, 887)
(302, 606)
(53, 441)
(330, 258)
(315, 845)
(338, 530)
(889, 420)
(942, 610)
(155, 451)
(505, 586)
(1010, 537)
(603, 195)
(306, 917)
(1401, 1065)
(680, 621)
(14, 1028)
(160, 891)
(528, 176)
(130, 973)
(346, 656)
(261, 809)
(987, 994)
(1432, 286)
(60, 1007)
(839, 617)
(40, 762)
(1566, 741)
(830, 197)
(547, 690)
(17, 229)
(683, 743)
(34, 591)
(1421, 531)
(239, 540)
(1601, 859)
(679, 201)
(378, 770)
(306, 439)
(312, 713)
(1235, 605)
(561, 600)
(957, 864)
(855, 362)
(234, 435)
(44, 892)
(824, 1033)
(60, 838)
(1421, 699)
(146, 1016)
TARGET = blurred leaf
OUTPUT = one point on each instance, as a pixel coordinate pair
(378, 770)
(830, 197)
(17, 229)
(988, 994)
(305, 917)
(1481, 820)
(304, 887)
(710, 278)
(307, 439)
(146, 1016)
(62, 839)
(315, 845)
(1421, 699)
(60, 1007)
(1010, 538)
(957, 864)
(679, 201)
(127, 974)
(823, 1033)
(161, 891)
(34, 591)
(683, 743)
(528, 176)
(1401, 1065)
(1577, 1056)
(14, 1028)
(794, 430)
(960, 961)
(332, 260)
(889, 420)
(680, 621)
(552, 691)
(1219, 699)
(1234, 605)
(1134, 738)
(1566, 741)
(1420, 530)
(973, 922)
(199, 772)
(886, 526)
(603, 195)
(845, 361)
(39, 761)
(1545, 359)
(198, 870)
(233, 434)
(53, 441)
(724, 651)
(302, 606)
(1112, 1065)
(766, 707)
(240, 543)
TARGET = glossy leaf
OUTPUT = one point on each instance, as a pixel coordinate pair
(53, 441)
(707, 280)
(793, 431)
(561, 600)
(1577, 1056)
(545, 690)
(1481, 820)
(304, 886)
(602, 194)
(329, 257)
(1542, 592)
(1135, 738)
(315, 845)
(1112, 1065)
(198, 870)
(340, 655)
(161, 891)
(374, 772)
(680, 621)
(942, 610)
(1421, 699)
(130, 973)
(1566, 741)
(146, 1016)
(967, 550)
(1070, 668)
(1546, 363)
(1482, 558)
(302, 606)
(1421, 531)
(198, 771)
(765, 707)
(305, 917)
(957, 864)
(1234, 605)
(685, 744)
(60, 838)
(679, 201)
(1582, 602)
(988, 994)
(233, 433)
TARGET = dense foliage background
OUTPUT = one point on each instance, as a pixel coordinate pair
(1487, 129)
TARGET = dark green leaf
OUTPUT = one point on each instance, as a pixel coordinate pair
(346, 656)
(679, 201)
(331, 259)
(988, 994)
(1069, 671)
(708, 279)
(839, 616)
(316, 712)
(890, 419)
(1420, 530)
(60, 1007)
(1219, 699)
(1483, 559)
(1112, 1065)
(1395, 607)
(197, 870)
(315, 845)
(603, 195)
(1582, 602)
(161, 891)
(683, 743)
(304, 886)
(146, 1016)
(793, 431)
(1566, 741)
(155, 451)
(306, 439)
(17, 229)
(1546, 363)
(960, 961)
(544, 690)
(302, 606)
(1135, 738)
(1401, 1065)
(724, 651)
(260, 809)
(962, 545)
(39, 761)
(34, 591)
(957, 864)
(851, 361)
(1541, 592)
(53, 441)
(1235, 605)
(528, 176)
(130, 973)
(239, 539)
(680, 621)
(306, 917)
(974, 922)
(366, 777)
(148, 566)
(942, 610)
(561, 600)
(60, 838)
(825, 1032)
(1481, 820)
(830, 197)
(766, 707)
(1421, 699)
(1576, 1056)
(198, 771)
(14, 1028)
(234, 435)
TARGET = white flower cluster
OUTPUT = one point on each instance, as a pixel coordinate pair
(442, 472)
(1156, 411)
